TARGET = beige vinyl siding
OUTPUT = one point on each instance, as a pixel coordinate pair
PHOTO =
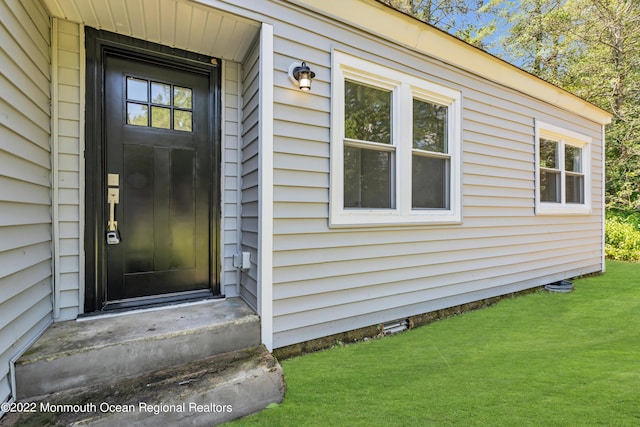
(249, 171)
(231, 141)
(324, 280)
(332, 280)
(25, 219)
(69, 190)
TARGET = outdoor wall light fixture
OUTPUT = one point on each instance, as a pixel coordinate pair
(301, 75)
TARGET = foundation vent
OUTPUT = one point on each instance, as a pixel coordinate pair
(395, 326)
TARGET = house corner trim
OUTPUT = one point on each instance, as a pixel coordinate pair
(265, 225)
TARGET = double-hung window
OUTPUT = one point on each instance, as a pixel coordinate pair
(369, 149)
(395, 148)
(562, 171)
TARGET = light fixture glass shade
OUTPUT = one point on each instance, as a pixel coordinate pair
(304, 81)
(304, 76)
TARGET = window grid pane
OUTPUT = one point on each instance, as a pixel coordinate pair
(182, 120)
(367, 178)
(182, 97)
(160, 93)
(367, 113)
(549, 186)
(574, 188)
(160, 117)
(137, 89)
(430, 182)
(137, 114)
(429, 126)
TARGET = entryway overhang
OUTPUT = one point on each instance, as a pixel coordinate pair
(216, 28)
(182, 24)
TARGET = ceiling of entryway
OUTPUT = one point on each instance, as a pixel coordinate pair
(177, 23)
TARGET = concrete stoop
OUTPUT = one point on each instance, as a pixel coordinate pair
(74, 354)
(193, 364)
(203, 393)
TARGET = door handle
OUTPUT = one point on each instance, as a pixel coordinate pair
(113, 198)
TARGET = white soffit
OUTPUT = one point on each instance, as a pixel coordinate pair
(182, 24)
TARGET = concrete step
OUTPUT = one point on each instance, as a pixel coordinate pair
(202, 393)
(104, 350)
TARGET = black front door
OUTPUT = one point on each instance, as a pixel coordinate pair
(158, 156)
(157, 146)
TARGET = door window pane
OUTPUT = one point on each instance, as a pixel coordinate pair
(182, 97)
(137, 89)
(168, 107)
(182, 120)
(137, 114)
(367, 113)
(160, 117)
(160, 93)
(367, 178)
(550, 186)
(430, 183)
(429, 126)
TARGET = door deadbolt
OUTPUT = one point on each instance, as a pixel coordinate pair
(113, 237)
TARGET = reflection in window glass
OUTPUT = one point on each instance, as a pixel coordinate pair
(572, 158)
(160, 93)
(367, 113)
(137, 114)
(160, 117)
(548, 154)
(182, 120)
(137, 89)
(429, 126)
(182, 97)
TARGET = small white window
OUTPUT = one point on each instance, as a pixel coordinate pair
(563, 181)
(396, 144)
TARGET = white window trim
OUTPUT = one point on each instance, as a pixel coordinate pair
(568, 137)
(404, 87)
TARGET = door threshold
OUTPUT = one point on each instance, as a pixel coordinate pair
(123, 308)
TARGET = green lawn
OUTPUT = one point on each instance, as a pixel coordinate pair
(543, 359)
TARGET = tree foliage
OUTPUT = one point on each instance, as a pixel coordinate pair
(607, 73)
(458, 17)
(589, 47)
